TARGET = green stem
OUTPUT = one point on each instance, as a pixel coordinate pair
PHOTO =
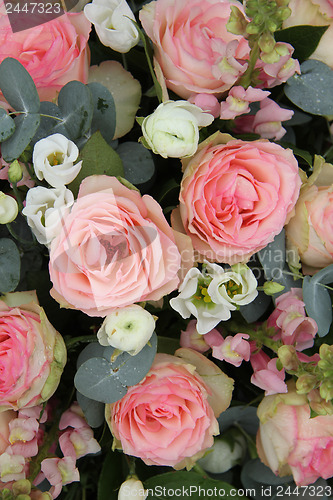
(43, 453)
(19, 239)
(17, 196)
(199, 470)
(83, 338)
(246, 80)
(41, 114)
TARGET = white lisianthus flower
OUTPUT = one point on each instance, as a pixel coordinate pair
(194, 299)
(132, 488)
(53, 159)
(173, 129)
(127, 329)
(8, 208)
(236, 287)
(113, 25)
(45, 210)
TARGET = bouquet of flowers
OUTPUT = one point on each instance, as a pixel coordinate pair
(166, 249)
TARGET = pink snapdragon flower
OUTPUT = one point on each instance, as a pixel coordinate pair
(23, 437)
(233, 349)
(192, 339)
(12, 467)
(266, 375)
(59, 471)
(289, 319)
(207, 102)
(266, 122)
(275, 73)
(238, 100)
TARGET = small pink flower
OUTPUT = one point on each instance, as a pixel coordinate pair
(192, 339)
(233, 349)
(73, 417)
(273, 74)
(23, 436)
(12, 467)
(289, 319)
(238, 100)
(58, 472)
(77, 443)
(266, 375)
(207, 102)
(266, 122)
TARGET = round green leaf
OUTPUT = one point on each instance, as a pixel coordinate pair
(10, 265)
(245, 416)
(76, 106)
(47, 124)
(259, 479)
(93, 410)
(7, 125)
(312, 90)
(18, 87)
(317, 299)
(104, 114)
(138, 163)
(26, 126)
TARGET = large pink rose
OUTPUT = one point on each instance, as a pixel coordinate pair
(54, 53)
(290, 442)
(32, 353)
(115, 248)
(192, 45)
(169, 417)
(236, 196)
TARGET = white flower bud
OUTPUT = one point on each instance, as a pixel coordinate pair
(53, 159)
(113, 25)
(173, 129)
(45, 210)
(132, 488)
(8, 208)
(223, 455)
(127, 329)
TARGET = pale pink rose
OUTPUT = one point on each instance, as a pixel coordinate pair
(238, 100)
(266, 375)
(207, 102)
(290, 442)
(195, 51)
(5, 418)
(310, 232)
(115, 248)
(236, 196)
(233, 350)
(54, 53)
(314, 13)
(33, 353)
(192, 339)
(266, 122)
(167, 419)
(289, 319)
(58, 472)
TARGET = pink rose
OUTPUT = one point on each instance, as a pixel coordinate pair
(310, 232)
(236, 196)
(168, 418)
(195, 51)
(54, 53)
(289, 319)
(115, 248)
(33, 353)
(290, 442)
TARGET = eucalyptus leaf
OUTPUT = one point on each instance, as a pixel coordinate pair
(104, 113)
(244, 416)
(98, 159)
(93, 410)
(304, 39)
(293, 492)
(18, 87)
(312, 90)
(7, 125)
(48, 124)
(317, 299)
(76, 106)
(259, 479)
(10, 265)
(138, 163)
(273, 256)
(92, 350)
(26, 126)
(253, 311)
(189, 484)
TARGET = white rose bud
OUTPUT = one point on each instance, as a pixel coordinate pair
(127, 329)
(236, 287)
(53, 159)
(113, 25)
(132, 488)
(45, 210)
(224, 454)
(173, 129)
(8, 208)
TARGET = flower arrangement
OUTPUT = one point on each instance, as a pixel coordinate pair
(166, 249)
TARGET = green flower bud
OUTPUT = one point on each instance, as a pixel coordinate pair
(237, 22)
(270, 58)
(283, 14)
(22, 486)
(305, 383)
(15, 173)
(270, 287)
(266, 42)
(288, 357)
(326, 390)
(252, 29)
(272, 25)
(318, 404)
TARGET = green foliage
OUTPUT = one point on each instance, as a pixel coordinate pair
(7, 125)
(257, 477)
(304, 39)
(111, 477)
(26, 127)
(76, 106)
(98, 158)
(10, 265)
(138, 163)
(312, 90)
(18, 87)
(104, 112)
(317, 299)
